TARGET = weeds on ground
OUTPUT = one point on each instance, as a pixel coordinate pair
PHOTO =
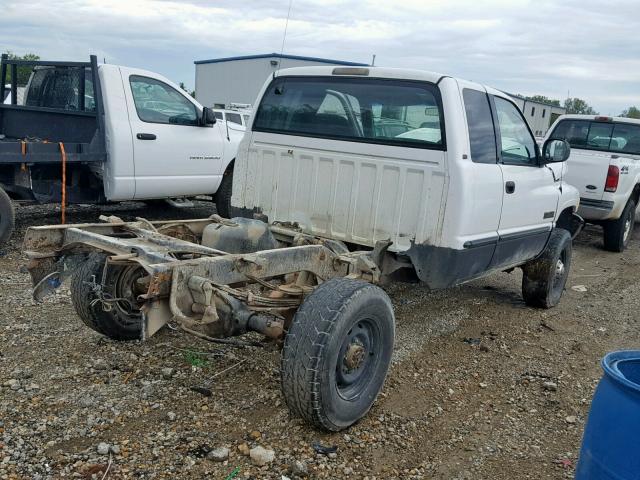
(195, 359)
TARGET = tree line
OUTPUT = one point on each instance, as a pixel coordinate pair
(23, 72)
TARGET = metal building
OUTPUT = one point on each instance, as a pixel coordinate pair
(540, 116)
(239, 79)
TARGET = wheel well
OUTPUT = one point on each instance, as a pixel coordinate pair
(229, 168)
(636, 193)
(566, 221)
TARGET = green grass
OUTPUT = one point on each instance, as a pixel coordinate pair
(233, 474)
(195, 359)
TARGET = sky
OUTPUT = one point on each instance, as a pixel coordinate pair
(581, 48)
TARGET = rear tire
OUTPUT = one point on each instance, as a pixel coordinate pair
(544, 278)
(121, 322)
(7, 217)
(617, 233)
(337, 353)
(223, 195)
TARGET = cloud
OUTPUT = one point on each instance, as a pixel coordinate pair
(542, 47)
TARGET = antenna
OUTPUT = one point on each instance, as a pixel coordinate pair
(373, 60)
(284, 37)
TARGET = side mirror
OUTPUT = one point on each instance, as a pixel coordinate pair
(208, 118)
(555, 151)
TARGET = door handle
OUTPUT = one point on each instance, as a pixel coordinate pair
(510, 187)
(146, 136)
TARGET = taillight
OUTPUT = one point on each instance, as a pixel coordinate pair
(613, 175)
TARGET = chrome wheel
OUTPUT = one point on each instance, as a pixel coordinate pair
(627, 229)
(560, 270)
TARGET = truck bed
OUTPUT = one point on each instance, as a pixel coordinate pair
(32, 133)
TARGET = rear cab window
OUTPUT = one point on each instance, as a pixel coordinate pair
(616, 137)
(390, 112)
(61, 88)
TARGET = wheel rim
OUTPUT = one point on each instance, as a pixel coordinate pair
(627, 227)
(358, 358)
(561, 269)
(126, 291)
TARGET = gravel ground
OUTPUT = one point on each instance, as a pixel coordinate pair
(481, 387)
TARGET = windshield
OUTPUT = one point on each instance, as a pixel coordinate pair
(393, 112)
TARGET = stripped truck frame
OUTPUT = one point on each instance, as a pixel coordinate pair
(185, 277)
(343, 182)
(131, 278)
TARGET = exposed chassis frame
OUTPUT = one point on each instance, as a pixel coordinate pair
(208, 292)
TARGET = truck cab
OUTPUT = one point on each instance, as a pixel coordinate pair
(162, 148)
(445, 169)
(605, 167)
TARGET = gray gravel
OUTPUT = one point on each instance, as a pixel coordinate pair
(481, 386)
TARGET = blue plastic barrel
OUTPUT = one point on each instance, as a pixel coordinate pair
(611, 443)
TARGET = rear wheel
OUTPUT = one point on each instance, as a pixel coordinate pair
(617, 233)
(7, 217)
(544, 278)
(223, 195)
(337, 353)
(107, 301)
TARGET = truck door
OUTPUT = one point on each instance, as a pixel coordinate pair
(173, 154)
(530, 192)
(483, 183)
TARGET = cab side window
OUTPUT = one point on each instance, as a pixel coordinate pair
(517, 145)
(157, 102)
(482, 136)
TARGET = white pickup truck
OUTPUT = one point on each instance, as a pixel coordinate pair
(446, 169)
(121, 133)
(355, 176)
(605, 167)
